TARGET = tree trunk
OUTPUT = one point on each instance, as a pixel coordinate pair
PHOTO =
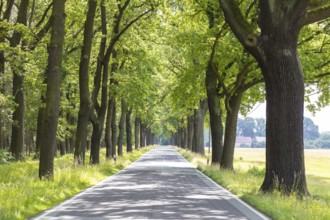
(142, 135)
(227, 158)
(17, 135)
(67, 145)
(148, 137)
(62, 148)
(41, 115)
(53, 72)
(107, 135)
(85, 103)
(2, 91)
(100, 83)
(5, 17)
(2, 146)
(121, 126)
(190, 132)
(95, 142)
(129, 131)
(185, 137)
(98, 120)
(183, 144)
(147, 133)
(275, 49)
(198, 145)
(137, 132)
(283, 75)
(114, 128)
(69, 138)
(284, 83)
(215, 112)
(178, 137)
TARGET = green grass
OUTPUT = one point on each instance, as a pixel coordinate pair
(23, 195)
(249, 172)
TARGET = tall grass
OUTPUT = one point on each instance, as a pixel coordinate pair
(247, 179)
(23, 195)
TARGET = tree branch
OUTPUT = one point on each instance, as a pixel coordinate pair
(249, 9)
(223, 27)
(309, 38)
(41, 34)
(317, 14)
(251, 84)
(32, 13)
(322, 75)
(99, 66)
(117, 37)
(7, 13)
(172, 70)
(241, 77)
(240, 27)
(44, 15)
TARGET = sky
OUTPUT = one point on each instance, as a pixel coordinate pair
(321, 118)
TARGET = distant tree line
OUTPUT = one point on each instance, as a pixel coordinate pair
(255, 127)
(251, 127)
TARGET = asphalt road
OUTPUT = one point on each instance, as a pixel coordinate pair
(160, 185)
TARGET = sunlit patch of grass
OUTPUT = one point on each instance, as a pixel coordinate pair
(23, 195)
(249, 172)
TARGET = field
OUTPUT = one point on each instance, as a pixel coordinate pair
(249, 171)
(23, 195)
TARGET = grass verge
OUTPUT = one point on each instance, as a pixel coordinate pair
(23, 195)
(248, 177)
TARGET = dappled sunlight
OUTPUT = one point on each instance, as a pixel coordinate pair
(160, 185)
(249, 172)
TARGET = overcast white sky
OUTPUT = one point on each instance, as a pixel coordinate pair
(321, 118)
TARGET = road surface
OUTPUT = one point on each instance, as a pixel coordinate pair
(160, 185)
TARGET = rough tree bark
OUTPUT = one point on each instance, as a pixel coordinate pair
(275, 49)
(85, 102)
(53, 73)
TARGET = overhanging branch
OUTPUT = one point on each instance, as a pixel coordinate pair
(240, 27)
(117, 37)
(317, 14)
